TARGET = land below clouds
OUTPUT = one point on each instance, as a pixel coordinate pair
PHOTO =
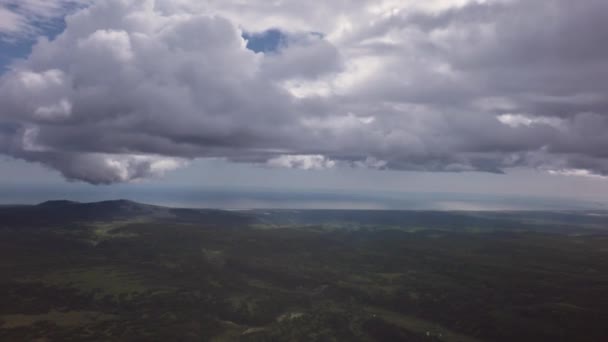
(122, 270)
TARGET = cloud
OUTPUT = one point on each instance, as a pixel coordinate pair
(453, 86)
(517, 120)
(102, 168)
(576, 173)
(23, 19)
(303, 162)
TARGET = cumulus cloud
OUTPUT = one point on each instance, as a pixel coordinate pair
(134, 88)
(102, 168)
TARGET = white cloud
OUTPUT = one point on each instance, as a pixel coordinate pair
(105, 168)
(60, 110)
(517, 120)
(10, 22)
(410, 85)
(27, 18)
(29, 143)
(338, 123)
(576, 173)
(303, 162)
(111, 43)
(371, 163)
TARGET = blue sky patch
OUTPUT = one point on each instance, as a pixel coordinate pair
(268, 41)
(10, 51)
(20, 47)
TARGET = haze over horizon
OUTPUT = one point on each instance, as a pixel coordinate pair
(477, 104)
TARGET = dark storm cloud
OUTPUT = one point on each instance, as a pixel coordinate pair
(133, 89)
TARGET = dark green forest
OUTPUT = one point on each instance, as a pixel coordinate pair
(123, 271)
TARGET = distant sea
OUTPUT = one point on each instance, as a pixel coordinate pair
(225, 198)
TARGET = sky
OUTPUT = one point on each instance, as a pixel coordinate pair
(494, 97)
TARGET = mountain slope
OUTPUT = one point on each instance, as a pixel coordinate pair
(61, 212)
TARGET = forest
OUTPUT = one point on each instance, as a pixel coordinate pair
(125, 271)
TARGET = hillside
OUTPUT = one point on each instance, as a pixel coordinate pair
(61, 212)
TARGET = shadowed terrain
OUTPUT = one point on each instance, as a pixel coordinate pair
(120, 270)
